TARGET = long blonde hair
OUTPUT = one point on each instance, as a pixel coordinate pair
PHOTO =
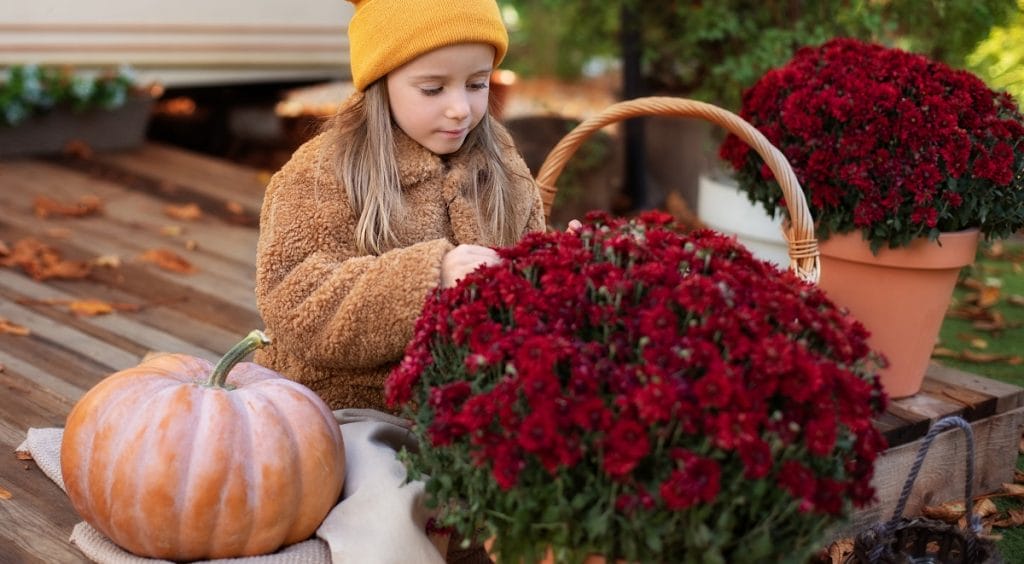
(366, 164)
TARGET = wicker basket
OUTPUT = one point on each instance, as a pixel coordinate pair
(798, 230)
(922, 540)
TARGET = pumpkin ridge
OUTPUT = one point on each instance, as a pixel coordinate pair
(198, 400)
(127, 438)
(221, 410)
(245, 450)
(156, 524)
(78, 465)
(321, 414)
(283, 423)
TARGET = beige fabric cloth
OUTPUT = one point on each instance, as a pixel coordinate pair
(339, 318)
(380, 519)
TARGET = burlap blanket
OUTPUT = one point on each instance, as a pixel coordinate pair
(380, 519)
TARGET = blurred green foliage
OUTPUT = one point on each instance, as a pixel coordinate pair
(999, 59)
(27, 90)
(714, 50)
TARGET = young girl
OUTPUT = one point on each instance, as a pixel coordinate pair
(405, 192)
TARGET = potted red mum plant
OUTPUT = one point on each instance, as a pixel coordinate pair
(638, 393)
(904, 163)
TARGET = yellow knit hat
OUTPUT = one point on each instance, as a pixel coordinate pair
(385, 34)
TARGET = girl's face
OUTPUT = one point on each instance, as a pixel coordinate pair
(440, 96)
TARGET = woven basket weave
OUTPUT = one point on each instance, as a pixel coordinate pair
(798, 230)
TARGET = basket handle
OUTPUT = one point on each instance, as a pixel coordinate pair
(972, 520)
(798, 230)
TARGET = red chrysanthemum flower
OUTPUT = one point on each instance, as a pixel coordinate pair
(619, 378)
(886, 142)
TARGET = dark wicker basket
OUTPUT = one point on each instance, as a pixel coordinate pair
(922, 540)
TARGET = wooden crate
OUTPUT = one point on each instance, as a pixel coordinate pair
(996, 413)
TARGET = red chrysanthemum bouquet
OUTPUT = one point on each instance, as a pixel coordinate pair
(640, 393)
(886, 142)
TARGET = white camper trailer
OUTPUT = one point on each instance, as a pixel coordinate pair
(183, 43)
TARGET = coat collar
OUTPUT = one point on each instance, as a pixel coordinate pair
(417, 164)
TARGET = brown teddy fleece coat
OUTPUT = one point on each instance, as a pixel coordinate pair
(339, 319)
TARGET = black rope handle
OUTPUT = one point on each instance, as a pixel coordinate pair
(974, 522)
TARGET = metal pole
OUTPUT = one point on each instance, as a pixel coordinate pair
(632, 87)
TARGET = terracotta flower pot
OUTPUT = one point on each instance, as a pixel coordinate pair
(900, 295)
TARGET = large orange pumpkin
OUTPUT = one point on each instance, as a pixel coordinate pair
(177, 459)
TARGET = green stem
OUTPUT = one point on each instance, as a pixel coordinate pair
(254, 340)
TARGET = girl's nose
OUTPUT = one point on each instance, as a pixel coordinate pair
(458, 106)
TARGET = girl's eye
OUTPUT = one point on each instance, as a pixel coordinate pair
(431, 91)
(478, 86)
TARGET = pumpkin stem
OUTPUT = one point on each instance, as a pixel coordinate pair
(255, 340)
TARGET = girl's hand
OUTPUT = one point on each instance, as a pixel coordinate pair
(462, 260)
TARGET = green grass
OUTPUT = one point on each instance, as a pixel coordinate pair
(1003, 348)
(1005, 272)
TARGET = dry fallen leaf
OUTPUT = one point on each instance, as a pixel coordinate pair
(168, 260)
(23, 455)
(191, 245)
(985, 358)
(172, 230)
(234, 208)
(1015, 299)
(944, 352)
(184, 212)
(1015, 490)
(10, 328)
(4, 494)
(90, 308)
(985, 507)
(1012, 518)
(100, 307)
(979, 343)
(78, 149)
(107, 261)
(839, 550)
(949, 512)
(972, 283)
(59, 233)
(45, 207)
(42, 262)
(995, 250)
(989, 296)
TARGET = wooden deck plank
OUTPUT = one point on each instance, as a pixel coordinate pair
(90, 243)
(158, 285)
(201, 338)
(125, 326)
(178, 172)
(1008, 396)
(137, 218)
(38, 517)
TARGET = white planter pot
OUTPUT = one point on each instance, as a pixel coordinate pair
(722, 207)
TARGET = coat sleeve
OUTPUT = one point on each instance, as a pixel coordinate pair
(319, 299)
